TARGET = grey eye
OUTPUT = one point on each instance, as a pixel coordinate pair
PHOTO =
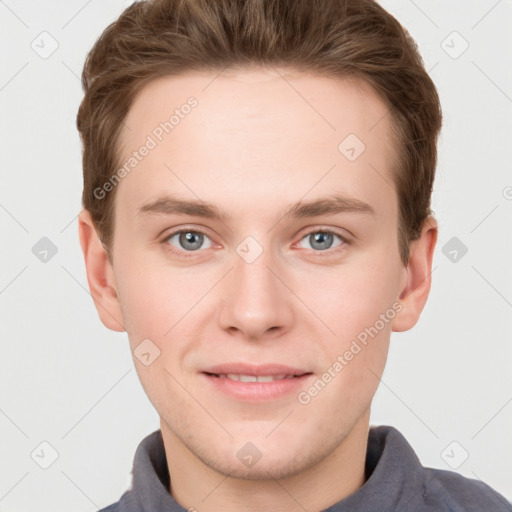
(321, 240)
(189, 240)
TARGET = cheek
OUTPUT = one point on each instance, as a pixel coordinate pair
(354, 297)
(145, 308)
(353, 365)
(153, 291)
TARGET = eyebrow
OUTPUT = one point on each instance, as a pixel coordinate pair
(330, 205)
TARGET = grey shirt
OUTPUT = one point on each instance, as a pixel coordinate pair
(395, 481)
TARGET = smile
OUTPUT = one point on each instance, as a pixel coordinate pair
(253, 378)
(261, 388)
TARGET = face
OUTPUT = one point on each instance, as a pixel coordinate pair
(268, 280)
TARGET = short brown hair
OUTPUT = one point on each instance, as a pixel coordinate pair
(338, 38)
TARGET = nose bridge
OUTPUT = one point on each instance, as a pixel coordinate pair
(256, 300)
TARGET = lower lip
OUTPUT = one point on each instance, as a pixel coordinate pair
(257, 391)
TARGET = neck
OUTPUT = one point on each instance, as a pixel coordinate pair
(196, 486)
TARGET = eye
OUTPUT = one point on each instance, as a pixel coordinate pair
(322, 240)
(188, 240)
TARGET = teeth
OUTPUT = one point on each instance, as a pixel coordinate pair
(265, 378)
(254, 378)
(247, 378)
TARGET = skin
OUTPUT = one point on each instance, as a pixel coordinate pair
(252, 146)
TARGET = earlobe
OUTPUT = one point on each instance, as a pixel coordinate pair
(413, 295)
(100, 275)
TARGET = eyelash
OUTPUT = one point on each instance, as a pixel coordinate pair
(191, 254)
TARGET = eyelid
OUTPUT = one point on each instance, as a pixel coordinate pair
(191, 228)
(186, 227)
(325, 229)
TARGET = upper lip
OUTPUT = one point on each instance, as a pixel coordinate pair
(257, 370)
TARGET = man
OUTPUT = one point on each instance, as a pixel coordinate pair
(257, 182)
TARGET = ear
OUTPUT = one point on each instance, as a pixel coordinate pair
(100, 275)
(417, 278)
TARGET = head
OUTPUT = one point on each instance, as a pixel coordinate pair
(281, 121)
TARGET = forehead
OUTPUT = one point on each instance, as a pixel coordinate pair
(257, 130)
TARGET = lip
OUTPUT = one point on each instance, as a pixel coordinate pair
(256, 392)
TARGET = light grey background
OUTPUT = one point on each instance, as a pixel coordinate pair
(68, 381)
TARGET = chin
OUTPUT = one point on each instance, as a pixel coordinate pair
(264, 469)
(259, 460)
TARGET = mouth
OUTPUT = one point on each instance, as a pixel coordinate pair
(249, 383)
(254, 378)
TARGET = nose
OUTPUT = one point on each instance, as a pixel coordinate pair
(256, 302)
